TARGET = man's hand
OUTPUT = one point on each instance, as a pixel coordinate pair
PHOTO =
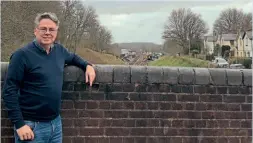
(90, 74)
(25, 133)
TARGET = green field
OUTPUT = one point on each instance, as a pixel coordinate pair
(182, 61)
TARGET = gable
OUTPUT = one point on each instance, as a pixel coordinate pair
(247, 34)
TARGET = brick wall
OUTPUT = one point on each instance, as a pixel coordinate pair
(140, 104)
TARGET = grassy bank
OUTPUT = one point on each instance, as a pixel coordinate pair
(182, 61)
(97, 57)
(87, 54)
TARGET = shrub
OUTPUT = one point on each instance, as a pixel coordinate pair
(246, 62)
(210, 57)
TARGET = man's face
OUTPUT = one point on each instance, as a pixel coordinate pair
(46, 32)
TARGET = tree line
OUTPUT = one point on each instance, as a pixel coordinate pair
(79, 25)
(186, 27)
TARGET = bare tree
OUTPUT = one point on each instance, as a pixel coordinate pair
(100, 37)
(105, 37)
(17, 22)
(183, 26)
(66, 19)
(69, 23)
(247, 22)
(232, 20)
(87, 18)
(93, 36)
(79, 24)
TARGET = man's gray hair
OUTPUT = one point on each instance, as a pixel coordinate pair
(46, 15)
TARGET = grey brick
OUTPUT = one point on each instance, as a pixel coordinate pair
(138, 74)
(4, 68)
(121, 74)
(218, 76)
(104, 73)
(234, 76)
(73, 73)
(170, 75)
(155, 74)
(186, 75)
(202, 76)
(247, 76)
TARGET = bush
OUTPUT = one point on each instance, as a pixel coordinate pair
(210, 57)
(246, 62)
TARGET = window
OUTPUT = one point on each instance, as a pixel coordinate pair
(232, 42)
(232, 53)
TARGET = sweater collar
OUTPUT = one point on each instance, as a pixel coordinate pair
(39, 46)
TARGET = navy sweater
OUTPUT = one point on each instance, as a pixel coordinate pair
(33, 85)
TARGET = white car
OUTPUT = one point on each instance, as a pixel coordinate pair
(221, 63)
(237, 66)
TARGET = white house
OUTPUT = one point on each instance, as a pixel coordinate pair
(239, 45)
(209, 44)
(230, 40)
(247, 42)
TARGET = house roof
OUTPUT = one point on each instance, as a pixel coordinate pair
(209, 38)
(227, 37)
(240, 34)
(202, 37)
(249, 34)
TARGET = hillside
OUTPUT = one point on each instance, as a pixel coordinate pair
(97, 57)
(179, 62)
(87, 54)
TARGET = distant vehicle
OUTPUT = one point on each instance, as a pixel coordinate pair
(221, 63)
(149, 57)
(155, 57)
(124, 52)
(236, 66)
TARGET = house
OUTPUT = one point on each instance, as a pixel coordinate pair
(247, 43)
(228, 42)
(239, 45)
(209, 44)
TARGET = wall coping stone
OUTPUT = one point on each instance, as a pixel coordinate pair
(157, 75)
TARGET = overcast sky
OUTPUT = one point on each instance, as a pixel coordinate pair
(143, 20)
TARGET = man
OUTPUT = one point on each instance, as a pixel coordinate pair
(32, 90)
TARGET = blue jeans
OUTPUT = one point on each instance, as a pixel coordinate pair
(44, 132)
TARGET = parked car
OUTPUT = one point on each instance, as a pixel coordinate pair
(220, 62)
(236, 66)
